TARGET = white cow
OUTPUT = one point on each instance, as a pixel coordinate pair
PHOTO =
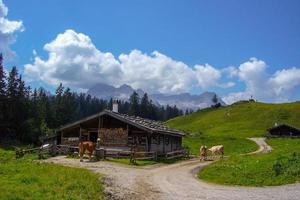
(219, 149)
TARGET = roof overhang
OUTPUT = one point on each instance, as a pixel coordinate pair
(116, 116)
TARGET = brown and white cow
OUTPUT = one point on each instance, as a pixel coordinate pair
(86, 146)
(217, 150)
(203, 153)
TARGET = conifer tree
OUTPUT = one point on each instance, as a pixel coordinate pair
(2, 79)
(2, 92)
(144, 108)
(134, 104)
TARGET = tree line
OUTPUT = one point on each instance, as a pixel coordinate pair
(26, 114)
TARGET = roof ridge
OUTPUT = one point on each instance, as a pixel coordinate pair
(138, 121)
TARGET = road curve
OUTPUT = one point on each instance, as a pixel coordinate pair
(176, 181)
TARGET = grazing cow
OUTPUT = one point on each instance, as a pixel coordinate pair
(219, 149)
(203, 153)
(86, 145)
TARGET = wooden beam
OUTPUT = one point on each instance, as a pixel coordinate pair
(61, 137)
(99, 126)
(164, 148)
(149, 142)
(147, 145)
(80, 133)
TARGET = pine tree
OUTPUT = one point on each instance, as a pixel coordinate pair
(58, 106)
(144, 108)
(215, 99)
(3, 99)
(22, 106)
(134, 104)
(153, 111)
(2, 79)
(12, 84)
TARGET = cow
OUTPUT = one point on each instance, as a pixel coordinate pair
(219, 149)
(203, 153)
(86, 145)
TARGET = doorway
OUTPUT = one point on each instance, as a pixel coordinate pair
(93, 136)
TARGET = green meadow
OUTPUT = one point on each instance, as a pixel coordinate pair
(231, 126)
(25, 178)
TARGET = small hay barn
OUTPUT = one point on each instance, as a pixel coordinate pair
(120, 131)
(283, 130)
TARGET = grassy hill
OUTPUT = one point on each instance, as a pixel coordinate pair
(239, 120)
(230, 126)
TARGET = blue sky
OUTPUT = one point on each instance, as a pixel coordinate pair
(217, 33)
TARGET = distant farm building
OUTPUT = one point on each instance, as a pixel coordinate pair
(119, 131)
(283, 130)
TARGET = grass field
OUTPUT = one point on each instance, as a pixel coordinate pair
(239, 120)
(26, 179)
(281, 166)
(231, 125)
(232, 145)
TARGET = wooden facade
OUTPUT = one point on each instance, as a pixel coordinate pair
(283, 130)
(120, 131)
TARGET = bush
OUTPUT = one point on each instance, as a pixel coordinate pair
(289, 165)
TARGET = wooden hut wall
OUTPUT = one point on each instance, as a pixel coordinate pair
(70, 136)
(116, 133)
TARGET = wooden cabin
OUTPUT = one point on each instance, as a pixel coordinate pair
(120, 131)
(283, 130)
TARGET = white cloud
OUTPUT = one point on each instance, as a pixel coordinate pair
(262, 86)
(231, 71)
(207, 76)
(75, 61)
(7, 31)
(283, 83)
(236, 96)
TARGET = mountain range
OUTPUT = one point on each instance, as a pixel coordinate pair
(183, 101)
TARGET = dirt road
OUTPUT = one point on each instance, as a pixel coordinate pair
(263, 146)
(175, 181)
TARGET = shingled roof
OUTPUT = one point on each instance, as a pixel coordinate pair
(283, 125)
(145, 124)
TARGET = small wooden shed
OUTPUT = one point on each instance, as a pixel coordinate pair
(120, 131)
(283, 130)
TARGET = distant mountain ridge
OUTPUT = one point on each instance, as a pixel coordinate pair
(182, 101)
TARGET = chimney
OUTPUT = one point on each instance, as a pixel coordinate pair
(115, 105)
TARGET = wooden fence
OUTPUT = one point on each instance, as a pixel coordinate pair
(176, 154)
(100, 153)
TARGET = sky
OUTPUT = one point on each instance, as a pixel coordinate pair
(237, 49)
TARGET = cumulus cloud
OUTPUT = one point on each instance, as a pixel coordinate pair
(260, 85)
(207, 76)
(283, 83)
(75, 61)
(7, 31)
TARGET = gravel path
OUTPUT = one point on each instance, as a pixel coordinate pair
(263, 146)
(175, 181)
